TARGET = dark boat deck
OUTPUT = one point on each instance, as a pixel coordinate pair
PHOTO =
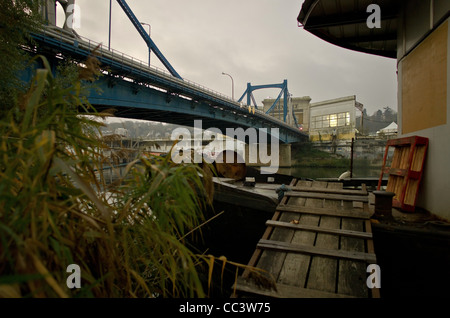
(317, 244)
(261, 196)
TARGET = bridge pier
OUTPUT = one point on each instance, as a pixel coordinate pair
(282, 157)
(285, 155)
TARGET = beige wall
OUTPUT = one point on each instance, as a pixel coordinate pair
(424, 83)
(423, 99)
(300, 106)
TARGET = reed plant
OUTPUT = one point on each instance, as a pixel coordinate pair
(56, 208)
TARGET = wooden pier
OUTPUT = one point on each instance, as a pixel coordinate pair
(317, 244)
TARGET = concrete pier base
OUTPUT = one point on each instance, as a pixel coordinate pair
(282, 159)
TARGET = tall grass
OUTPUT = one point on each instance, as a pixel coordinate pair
(55, 209)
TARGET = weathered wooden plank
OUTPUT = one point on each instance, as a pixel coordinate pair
(319, 229)
(371, 249)
(295, 267)
(284, 235)
(284, 291)
(261, 257)
(270, 260)
(352, 274)
(332, 190)
(329, 196)
(395, 171)
(338, 212)
(316, 258)
(312, 250)
(322, 274)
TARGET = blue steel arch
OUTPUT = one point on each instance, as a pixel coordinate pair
(283, 92)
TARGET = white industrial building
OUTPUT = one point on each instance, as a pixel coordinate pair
(333, 119)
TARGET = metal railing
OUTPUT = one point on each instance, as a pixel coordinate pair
(137, 64)
(128, 60)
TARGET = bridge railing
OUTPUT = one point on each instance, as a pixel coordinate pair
(124, 59)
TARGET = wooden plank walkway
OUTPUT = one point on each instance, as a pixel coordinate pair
(317, 244)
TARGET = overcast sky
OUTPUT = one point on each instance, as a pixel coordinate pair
(256, 41)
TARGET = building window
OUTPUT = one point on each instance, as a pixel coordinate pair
(332, 120)
(343, 119)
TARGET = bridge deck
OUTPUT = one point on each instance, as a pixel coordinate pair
(318, 244)
(136, 90)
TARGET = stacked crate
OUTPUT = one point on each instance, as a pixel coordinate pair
(404, 170)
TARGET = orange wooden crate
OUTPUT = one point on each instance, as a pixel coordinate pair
(404, 170)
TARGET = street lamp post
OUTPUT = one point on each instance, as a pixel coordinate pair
(232, 84)
(109, 38)
(149, 34)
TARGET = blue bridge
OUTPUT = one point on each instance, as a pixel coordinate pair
(139, 91)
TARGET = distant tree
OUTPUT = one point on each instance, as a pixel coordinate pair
(379, 115)
(389, 114)
(17, 19)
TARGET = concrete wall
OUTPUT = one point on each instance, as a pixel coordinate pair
(283, 158)
(423, 99)
(300, 105)
(370, 149)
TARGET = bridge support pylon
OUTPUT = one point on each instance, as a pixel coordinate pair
(288, 113)
(278, 159)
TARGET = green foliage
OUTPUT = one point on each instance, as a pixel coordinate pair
(17, 19)
(55, 206)
(378, 120)
(56, 209)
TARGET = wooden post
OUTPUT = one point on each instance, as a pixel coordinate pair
(351, 158)
(383, 204)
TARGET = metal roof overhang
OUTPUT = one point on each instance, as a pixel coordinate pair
(344, 23)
